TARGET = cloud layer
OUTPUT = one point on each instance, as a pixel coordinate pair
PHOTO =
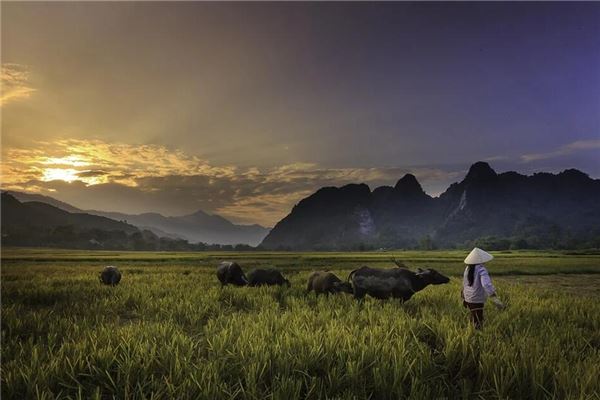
(568, 149)
(15, 83)
(127, 178)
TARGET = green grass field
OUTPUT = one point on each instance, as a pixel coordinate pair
(170, 331)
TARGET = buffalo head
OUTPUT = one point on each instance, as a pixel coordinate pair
(432, 277)
(343, 287)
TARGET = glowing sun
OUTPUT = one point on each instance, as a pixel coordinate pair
(54, 174)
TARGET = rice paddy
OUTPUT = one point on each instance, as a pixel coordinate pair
(170, 331)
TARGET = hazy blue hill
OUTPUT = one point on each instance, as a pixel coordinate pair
(197, 227)
(509, 208)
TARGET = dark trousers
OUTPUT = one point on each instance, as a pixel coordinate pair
(476, 313)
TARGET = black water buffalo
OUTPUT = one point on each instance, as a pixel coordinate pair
(259, 277)
(327, 282)
(398, 283)
(231, 272)
(110, 276)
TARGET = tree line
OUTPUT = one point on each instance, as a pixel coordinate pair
(68, 236)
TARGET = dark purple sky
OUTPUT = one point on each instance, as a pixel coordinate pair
(350, 91)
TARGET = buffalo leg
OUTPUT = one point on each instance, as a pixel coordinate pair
(359, 294)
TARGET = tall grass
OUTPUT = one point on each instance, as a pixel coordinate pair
(171, 332)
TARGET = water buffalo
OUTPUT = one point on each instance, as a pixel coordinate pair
(231, 272)
(398, 283)
(327, 282)
(258, 277)
(110, 276)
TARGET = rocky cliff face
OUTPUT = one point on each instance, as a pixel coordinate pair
(483, 204)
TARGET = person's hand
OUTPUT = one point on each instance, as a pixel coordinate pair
(499, 304)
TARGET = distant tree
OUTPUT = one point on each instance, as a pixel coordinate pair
(493, 243)
(64, 234)
(519, 243)
(426, 243)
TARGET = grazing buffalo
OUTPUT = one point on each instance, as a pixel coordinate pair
(327, 282)
(398, 283)
(258, 277)
(110, 276)
(230, 272)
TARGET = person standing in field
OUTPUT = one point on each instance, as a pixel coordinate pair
(477, 286)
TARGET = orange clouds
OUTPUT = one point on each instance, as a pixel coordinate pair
(143, 178)
(15, 83)
(94, 162)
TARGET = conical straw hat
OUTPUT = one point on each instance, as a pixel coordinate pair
(478, 256)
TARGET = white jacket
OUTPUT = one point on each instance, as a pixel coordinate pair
(482, 285)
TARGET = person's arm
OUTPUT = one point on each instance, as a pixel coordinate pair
(486, 282)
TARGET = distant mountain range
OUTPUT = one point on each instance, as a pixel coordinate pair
(40, 224)
(29, 197)
(196, 227)
(45, 216)
(499, 210)
(494, 211)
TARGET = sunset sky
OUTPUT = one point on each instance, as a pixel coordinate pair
(243, 109)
